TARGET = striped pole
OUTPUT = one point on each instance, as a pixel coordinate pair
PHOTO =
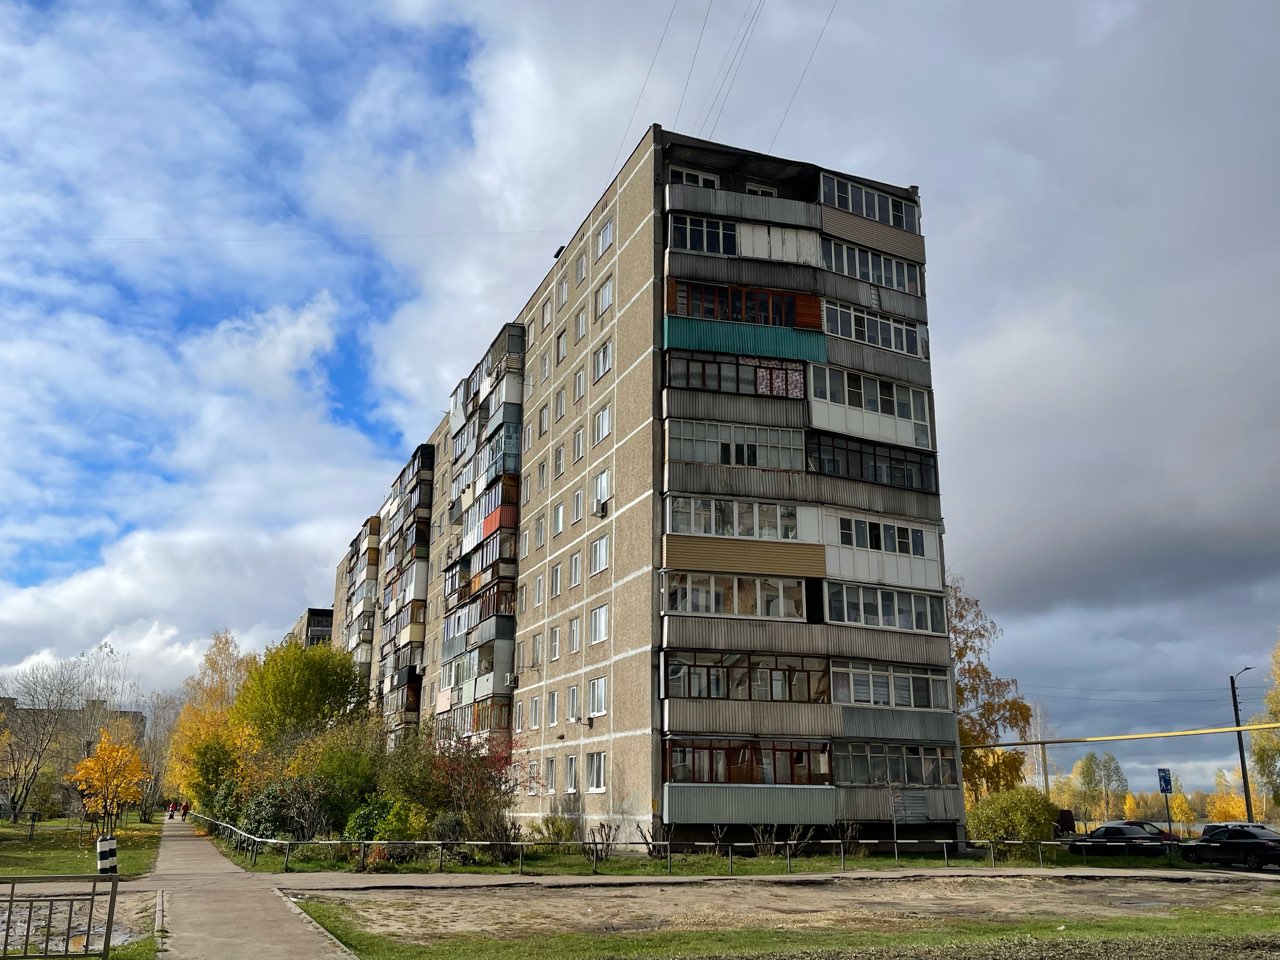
(107, 854)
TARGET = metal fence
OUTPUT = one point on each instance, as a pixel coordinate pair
(440, 854)
(39, 925)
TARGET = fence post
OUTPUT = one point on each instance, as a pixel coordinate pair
(668, 858)
(286, 856)
(896, 862)
(440, 850)
(595, 857)
(841, 856)
(1040, 852)
(364, 854)
(521, 867)
(787, 844)
(992, 847)
(946, 859)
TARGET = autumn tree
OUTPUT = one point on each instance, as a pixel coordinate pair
(295, 691)
(38, 700)
(161, 711)
(1179, 806)
(1130, 807)
(1264, 745)
(207, 747)
(109, 778)
(1113, 784)
(1226, 803)
(988, 707)
(1087, 775)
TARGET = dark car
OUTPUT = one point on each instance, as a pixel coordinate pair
(1254, 847)
(1118, 839)
(1147, 826)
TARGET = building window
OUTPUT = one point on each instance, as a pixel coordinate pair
(604, 238)
(535, 714)
(580, 268)
(580, 326)
(557, 519)
(562, 346)
(578, 444)
(596, 689)
(760, 190)
(575, 569)
(571, 774)
(542, 475)
(595, 773)
(562, 292)
(704, 301)
(737, 445)
(544, 366)
(550, 781)
(599, 626)
(528, 436)
(546, 314)
(885, 685)
(544, 420)
(748, 761)
(599, 554)
(526, 488)
(884, 397)
(540, 531)
(714, 517)
(577, 506)
(694, 178)
(555, 580)
(600, 485)
(538, 589)
(575, 635)
(553, 710)
(579, 384)
(602, 360)
(874, 607)
(838, 192)
(866, 763)
(839, 456)
(873, 267)
(725, 595)
(557, 460)
(733, 676)
(703, 236)
(571, 704)
(519, 717)
(885, 537)
(524, 596)
(729, 374)
(600, 425)
(854, 323)
(524, 544)
(604, 297)
(537, 650)
(554, 645)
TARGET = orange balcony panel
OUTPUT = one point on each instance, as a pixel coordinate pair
(505, 516)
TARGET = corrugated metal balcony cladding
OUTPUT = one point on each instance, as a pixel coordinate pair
(752, 718)
(941, 804)
(743, 206)
(745, 339)
(878, 723)
(880, 363)
(731, 408)
(504, 516)
(680, 632)
(719, 480)
(747, 803)
(872, 234)
(732, 555)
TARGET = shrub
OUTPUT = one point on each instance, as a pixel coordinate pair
(363, 823)
(1024, 813)
(265, 814)
(553, 831)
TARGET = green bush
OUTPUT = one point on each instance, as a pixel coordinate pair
(1023, 814)
(363, 824)
(265, 814)
(553, 831)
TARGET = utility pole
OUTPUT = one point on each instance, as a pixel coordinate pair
(1244, 770)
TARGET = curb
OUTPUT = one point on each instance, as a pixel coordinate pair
(307, 919)
(159, 923)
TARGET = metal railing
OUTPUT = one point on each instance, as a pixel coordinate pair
(38, 926)
(597, 852)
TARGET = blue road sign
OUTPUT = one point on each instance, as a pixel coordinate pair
(1166, 782)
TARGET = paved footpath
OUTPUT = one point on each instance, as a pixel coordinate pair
(215, 911)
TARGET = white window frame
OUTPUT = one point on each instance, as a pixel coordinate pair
(555, 580)
(579, 384)
(579, 445)
(562, 291)
(604, 238)
(571, 773)
(580, 326)
(601, 485)
(604, 297)
(546, 313)
(571, 705)
(597, 696)
(596, 780)
(535, 714)
(554, 644)
(575, 634)
(598, 626)
(557, 519)
(599, 555)
(539, 589)
(549, 783)
(601, 360)
(576, 513)
(601, 424)
(700, 178)
(553, 708)
(575, 569)
(580, 268)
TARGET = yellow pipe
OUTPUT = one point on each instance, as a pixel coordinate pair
(1123, 736)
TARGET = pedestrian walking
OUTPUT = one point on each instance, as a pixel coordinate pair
(186, 808)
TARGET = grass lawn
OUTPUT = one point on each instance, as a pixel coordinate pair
(61, 847)
(346, 859)
(144, 949)
(974, 939)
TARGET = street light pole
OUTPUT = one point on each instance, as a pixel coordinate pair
(1244, 770)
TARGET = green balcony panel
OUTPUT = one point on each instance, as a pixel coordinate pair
(744, 339)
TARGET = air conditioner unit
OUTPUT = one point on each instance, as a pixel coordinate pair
(511, 679)
(599, 507)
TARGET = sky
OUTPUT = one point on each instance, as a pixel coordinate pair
(247, 249)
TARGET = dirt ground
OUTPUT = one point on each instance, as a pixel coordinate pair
(882, 905)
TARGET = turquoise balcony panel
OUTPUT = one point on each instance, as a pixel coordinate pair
(743, 339)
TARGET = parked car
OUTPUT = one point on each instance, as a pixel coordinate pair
(1211, 827)
(1117, 839)
(1249, 844)
(1147, 826)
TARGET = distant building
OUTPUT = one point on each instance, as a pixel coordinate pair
(315, 627)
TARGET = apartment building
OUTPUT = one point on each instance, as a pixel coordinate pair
(691, 560)
(356, 597)
(314, 627)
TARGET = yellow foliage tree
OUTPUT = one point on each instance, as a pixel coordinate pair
(112, 777)
(1180, 810)
(1226, 803)
(1130, 807)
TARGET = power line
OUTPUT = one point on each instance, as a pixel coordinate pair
(694, 60)
(283, 239)
(713, 89)
(1043, 686)
(746, 45)
(802, 75)
(625, 130)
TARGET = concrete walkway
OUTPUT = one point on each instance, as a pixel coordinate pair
(216, 911)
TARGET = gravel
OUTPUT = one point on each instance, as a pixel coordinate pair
(1250, 947)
